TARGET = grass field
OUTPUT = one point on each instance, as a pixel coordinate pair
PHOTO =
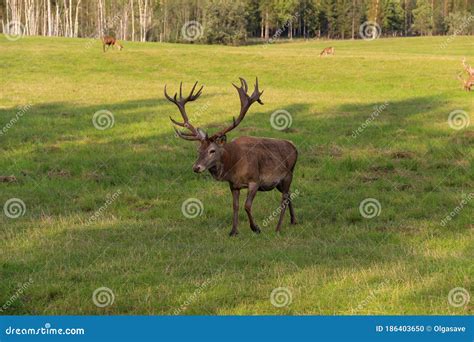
(133, 178)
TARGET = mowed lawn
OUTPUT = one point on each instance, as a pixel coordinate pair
(134, 177)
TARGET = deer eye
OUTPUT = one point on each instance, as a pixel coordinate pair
(212, 151)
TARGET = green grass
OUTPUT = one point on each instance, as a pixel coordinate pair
(157, 261)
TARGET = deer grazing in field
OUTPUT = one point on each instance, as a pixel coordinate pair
(110, 41)
(469, 83)
(327, 51)
(256, 164)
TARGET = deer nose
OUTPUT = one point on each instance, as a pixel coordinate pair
(198, 168)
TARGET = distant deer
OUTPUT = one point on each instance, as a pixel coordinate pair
(258, 164)
(467, 84)
(467, 67)
(110, 41)
(327, 51)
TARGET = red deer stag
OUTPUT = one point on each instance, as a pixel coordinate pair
(327, 51)
(256, 164)
(110, 41)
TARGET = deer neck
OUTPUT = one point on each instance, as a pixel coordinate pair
(219, 171)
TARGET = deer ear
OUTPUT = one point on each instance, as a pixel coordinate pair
(221, 140)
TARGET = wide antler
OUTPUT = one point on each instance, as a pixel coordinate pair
(245, 102)
(181, 103)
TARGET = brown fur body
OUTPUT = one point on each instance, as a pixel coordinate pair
(261, 161)
(110, 41)
(327, 51)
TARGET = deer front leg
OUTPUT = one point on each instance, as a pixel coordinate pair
(235, 206)
(253, 188)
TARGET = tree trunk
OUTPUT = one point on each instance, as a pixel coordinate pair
(133, 20)
(50, 23)
(267, 26)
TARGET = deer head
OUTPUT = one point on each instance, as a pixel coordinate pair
(210, 148)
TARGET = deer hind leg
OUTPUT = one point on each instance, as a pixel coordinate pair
(253, 188)
(284, 187)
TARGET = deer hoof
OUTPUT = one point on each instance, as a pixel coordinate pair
(256, 229)
(233, 233)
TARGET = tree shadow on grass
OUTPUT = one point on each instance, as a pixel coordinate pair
(152, 247)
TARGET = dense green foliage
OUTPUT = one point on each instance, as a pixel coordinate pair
(236, 21)
(135, 176)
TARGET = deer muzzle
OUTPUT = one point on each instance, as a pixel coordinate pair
(198, 168)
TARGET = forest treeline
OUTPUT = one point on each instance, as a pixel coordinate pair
(235, 21)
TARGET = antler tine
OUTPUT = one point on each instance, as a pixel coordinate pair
(177, 123)
(244, 84)
(181, 103)
(190, 137)
(246, 102)
(168, 97)
(256, 93)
